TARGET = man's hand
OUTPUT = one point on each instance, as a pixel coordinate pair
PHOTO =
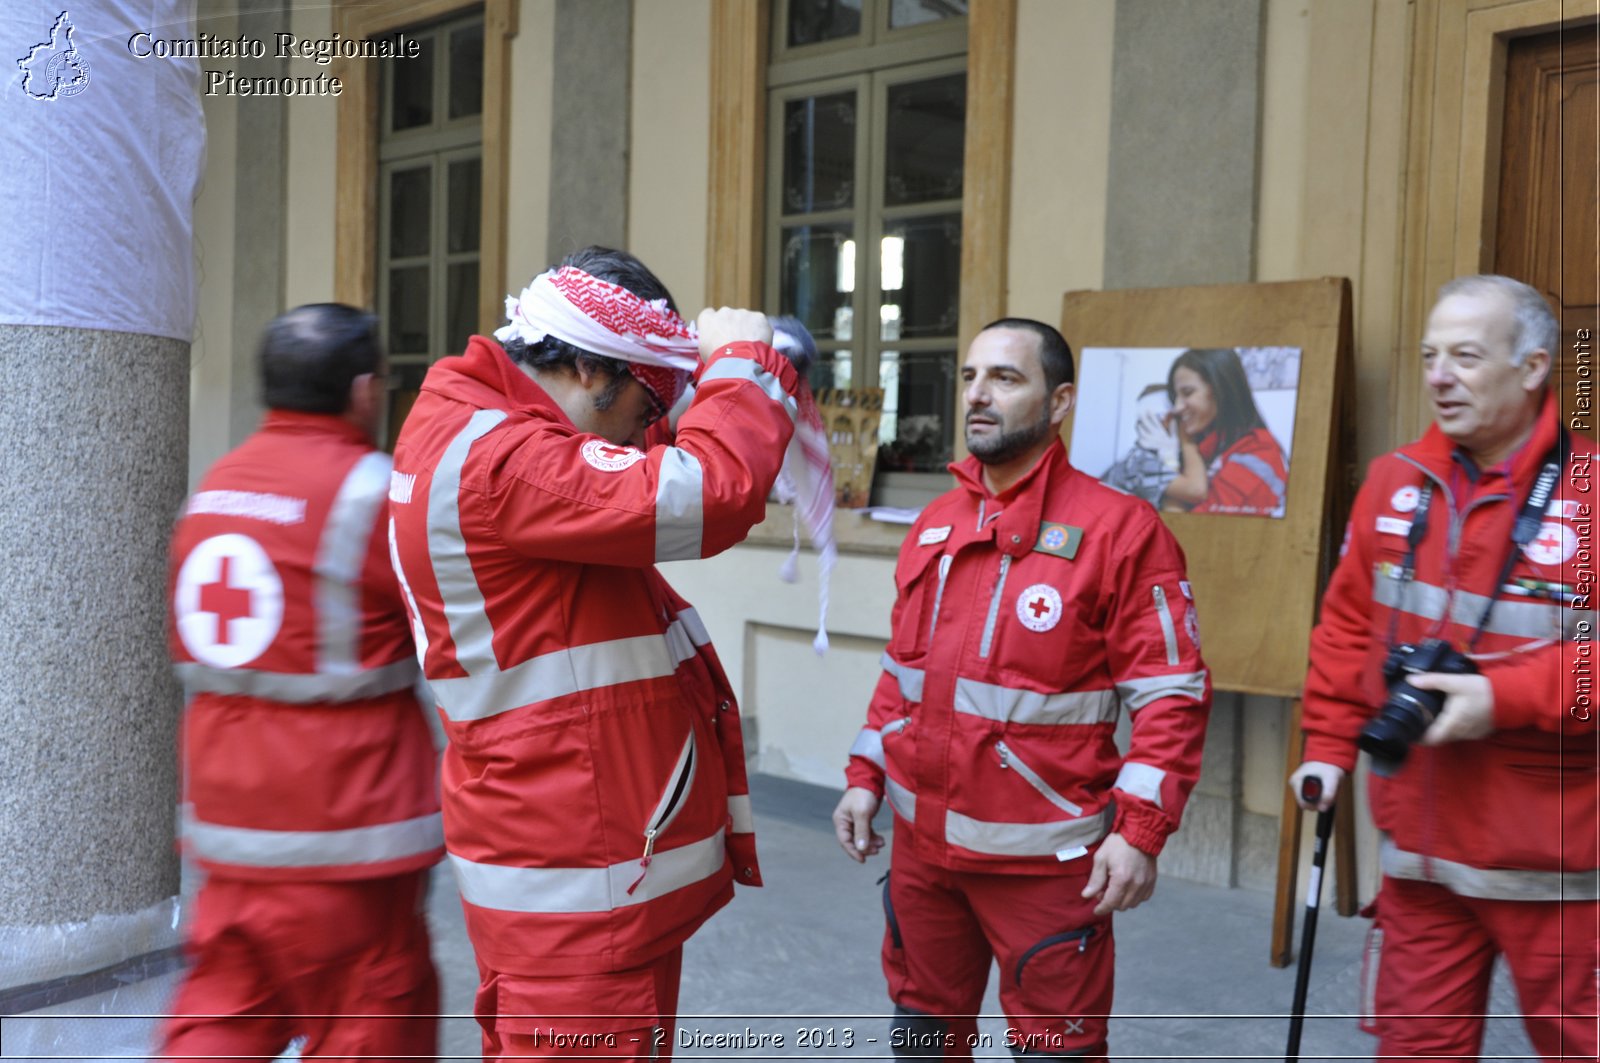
(1330, 774)
(726, 325)
(852, 822)
(1468, 711)
(1123, 877)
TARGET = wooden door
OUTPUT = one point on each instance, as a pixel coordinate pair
(1548, 229)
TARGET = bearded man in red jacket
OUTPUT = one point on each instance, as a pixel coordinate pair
(595, 801)
(310, 786)
(1455, 646)
(1034, 605)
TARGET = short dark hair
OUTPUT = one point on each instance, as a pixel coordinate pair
(1223, 373)
(607, 264)
(1054, 353)
(309, 356)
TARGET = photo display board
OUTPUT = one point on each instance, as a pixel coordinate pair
(1247, 379)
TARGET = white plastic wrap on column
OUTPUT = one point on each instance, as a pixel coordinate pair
(103, 149)
(33, 954)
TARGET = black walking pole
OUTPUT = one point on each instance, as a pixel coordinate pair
(1310, 791)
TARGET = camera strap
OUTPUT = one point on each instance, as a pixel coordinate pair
(1529, 519)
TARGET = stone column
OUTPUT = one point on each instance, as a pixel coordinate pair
(1181, 209)
(102, 155)
(593, 58)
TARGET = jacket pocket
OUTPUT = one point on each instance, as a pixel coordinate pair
(1011, 762)
(673, 799)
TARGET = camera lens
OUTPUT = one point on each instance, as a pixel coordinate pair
(1405, 715)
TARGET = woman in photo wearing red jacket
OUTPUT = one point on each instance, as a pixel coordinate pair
(1230, 460)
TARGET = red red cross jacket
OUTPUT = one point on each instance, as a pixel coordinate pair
(1249, 478)
(1511, 815)
(596, 807)
(1022, 626)
(306, 756)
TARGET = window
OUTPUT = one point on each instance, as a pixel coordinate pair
(430, 181)
(867, 103)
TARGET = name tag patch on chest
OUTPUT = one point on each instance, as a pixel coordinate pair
(930, 536)
(1554, 544)
(1039, 607)
(1062, 540)
(1394, 526)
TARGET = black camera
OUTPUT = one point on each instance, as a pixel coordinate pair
(1407, 711)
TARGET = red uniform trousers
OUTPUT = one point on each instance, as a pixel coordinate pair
(1438, 953)
(346, 965)
(1055, 955)
(626, 1014)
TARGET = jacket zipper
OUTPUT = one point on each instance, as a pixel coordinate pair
(994, 607)
(938, 596)
(895, 726)
(1010, 760)
(1168, 632)
(667, 809)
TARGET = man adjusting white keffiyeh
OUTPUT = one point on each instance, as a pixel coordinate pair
(662, 352)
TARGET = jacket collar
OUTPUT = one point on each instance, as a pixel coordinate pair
(1021, 506)
(1435, 450)
(486, 377)
(301, 423)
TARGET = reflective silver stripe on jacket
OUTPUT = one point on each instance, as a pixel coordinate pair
(297, 688)
(868, 744)
(1168, 632)
(680, 506)
(341, 556)
(746, 369)
(1529, 620)
(587, 889)
(994, 607)
(572, 670)
(1261, 468)
(1487, 883)
(1137, 693)
(1025, 839)
(464, 609)
(247, 847)
(910, 679)
(740, 814)
(1012, 705)
(1141, 780)
(903, 801)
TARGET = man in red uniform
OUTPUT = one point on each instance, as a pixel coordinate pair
(1034, 604)
(1488, 818)
(595, 801)
(310, 786)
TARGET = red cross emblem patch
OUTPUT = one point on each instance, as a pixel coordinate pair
(610, 457)
(1554, 544)
(228, 602)
(1039, 607)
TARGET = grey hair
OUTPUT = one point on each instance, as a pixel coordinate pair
(1536, 326)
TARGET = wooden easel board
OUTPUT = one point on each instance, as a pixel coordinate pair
(1255, 579)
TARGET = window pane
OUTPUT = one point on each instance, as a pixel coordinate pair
(411, 81)
(918, 410)
(461, 305)
(817, 278)
(463, 183)
(408, 310)
(903, 13)
(830, 370)
(924, 138)
(405, 384)
(410, 193)
(920, 277)
(466, 71)
(811, 21)
(819, 153)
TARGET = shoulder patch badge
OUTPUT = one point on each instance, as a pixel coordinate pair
(610, 457)
(1405, 500)
(931, 536)
(1062, 540)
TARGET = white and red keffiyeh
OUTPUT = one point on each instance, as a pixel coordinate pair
(596, 315)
